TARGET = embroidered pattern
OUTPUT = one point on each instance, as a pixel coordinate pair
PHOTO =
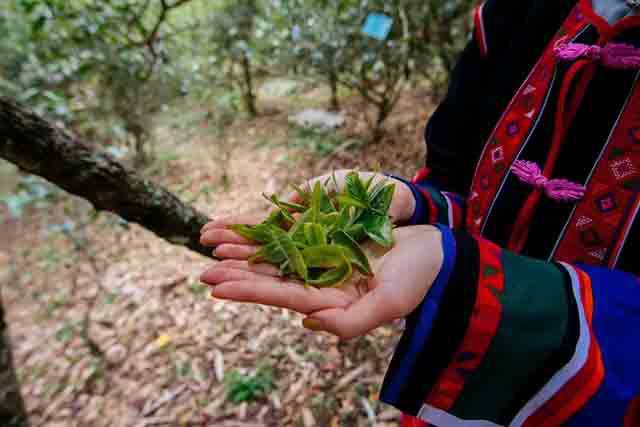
(611, 194)
(514, 126)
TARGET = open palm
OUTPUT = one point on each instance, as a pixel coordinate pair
(403, 276)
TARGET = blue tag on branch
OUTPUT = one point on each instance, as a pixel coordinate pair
(377, 26)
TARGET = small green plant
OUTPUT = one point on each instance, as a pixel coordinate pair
(65, 334)
(198, 289)
(247, 388)
(321, 245)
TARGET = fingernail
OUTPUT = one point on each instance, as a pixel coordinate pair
(312, 324)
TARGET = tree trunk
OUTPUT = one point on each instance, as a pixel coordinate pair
(39, 148)
(333, 84)
(140, 159)
(249, 97)
(12, 410)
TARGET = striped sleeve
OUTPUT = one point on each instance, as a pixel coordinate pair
(514, 341)
(434, 206)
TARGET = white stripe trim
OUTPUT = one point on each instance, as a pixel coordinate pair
(440, 418)
(449, 210)
(564, 375)
(595, 165)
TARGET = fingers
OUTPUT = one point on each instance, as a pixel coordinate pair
(223, 222)
(218, 236)
(244, 286)
(366, 314)
(264, 269)
(235, 251)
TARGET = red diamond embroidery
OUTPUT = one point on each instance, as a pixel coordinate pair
(582, 221)
(623, 168)
(599, 254)
(497, 155)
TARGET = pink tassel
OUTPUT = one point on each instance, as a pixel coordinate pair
(556, 189)
(613, 55)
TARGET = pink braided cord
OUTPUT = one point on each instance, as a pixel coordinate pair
(612, 55)
(556, 189)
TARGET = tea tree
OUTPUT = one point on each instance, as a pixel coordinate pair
(318, 240)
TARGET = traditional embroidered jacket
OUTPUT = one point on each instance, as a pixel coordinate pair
(534, 178)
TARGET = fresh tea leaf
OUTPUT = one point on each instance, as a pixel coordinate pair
(354, 252)
(304, 195)
(294, 207)
(315, 234)
(284, 210)
(333, 277)
(382, 201)
(324, 256)
(355, 188)
(378, 228)
(348, 201)
(356, 232)
(258, 233)
(321, 245)
(279, 219)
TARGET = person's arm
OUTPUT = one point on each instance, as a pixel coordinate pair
(502, 339)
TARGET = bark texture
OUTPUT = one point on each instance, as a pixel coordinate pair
(12, 410)
(39, 148)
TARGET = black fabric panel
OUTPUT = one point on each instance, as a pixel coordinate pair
(580, 150)
(480, 88)
(449, 327)
(506, 208)
(554, 362)
(628, 260)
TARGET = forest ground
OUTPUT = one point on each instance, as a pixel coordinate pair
(164, 353)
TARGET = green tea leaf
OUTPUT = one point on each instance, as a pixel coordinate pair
(368, 182)
(349, 201)
(382, 201)
(354, 252)
(271, 252)
(356, 232)
(378, 228)
(355, 188)
(321, 245)
(294, 207)
(315, 234)
(260, 233)
(334, 276)
(324, 256)
(304, 195)
(316, 200)
(284, 210)
(282, 249)
(279, 219)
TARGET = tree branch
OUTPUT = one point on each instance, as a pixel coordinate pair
(39, 148)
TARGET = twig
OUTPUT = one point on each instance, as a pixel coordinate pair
(168, 397)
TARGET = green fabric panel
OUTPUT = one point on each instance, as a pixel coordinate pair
(441, 204)
(534, 321)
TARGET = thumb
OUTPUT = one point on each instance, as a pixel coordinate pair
(357, 319)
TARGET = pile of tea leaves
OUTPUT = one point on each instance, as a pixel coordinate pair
(318, 240)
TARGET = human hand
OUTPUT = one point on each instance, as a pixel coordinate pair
(403, 276)
(230, 245)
